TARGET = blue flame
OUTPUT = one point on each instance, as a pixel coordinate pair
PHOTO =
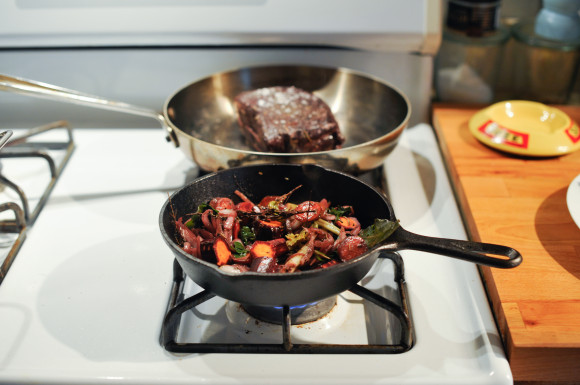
(297, 306)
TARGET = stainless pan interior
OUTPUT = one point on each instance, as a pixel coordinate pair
(372, 114)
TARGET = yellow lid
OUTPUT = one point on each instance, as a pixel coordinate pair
(526, 128)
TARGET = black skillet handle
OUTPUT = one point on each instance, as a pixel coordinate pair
(481, 253)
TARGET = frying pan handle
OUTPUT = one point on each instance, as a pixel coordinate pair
(481, 253)
(48, 91)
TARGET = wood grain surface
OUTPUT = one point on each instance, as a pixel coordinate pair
(521, 202)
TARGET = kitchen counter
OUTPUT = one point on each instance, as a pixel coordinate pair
(521, 202)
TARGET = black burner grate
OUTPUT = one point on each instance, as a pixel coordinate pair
(56, 154)
(177, 307)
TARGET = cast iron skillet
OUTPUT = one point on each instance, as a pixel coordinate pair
(278, 289)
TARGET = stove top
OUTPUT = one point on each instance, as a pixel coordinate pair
(371, 317)
(85, 299)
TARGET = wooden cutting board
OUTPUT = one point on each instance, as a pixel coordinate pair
(521, 202)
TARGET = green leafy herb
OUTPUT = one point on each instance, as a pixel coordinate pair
(326, 225)
(378, 231)
(320, 256)
(273, 205)
(195, 220)
(204, 206)
(247, 235)
(295, 241)
(342, 211)
(239, 250)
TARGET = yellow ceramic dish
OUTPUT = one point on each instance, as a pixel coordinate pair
(526, 128)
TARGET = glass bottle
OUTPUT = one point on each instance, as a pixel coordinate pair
(468, 61)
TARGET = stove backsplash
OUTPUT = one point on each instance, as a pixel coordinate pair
(148, 77)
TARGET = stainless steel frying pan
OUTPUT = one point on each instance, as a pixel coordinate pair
(201, 120)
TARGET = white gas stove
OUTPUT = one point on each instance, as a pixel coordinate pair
(86, 294)
(84, 299)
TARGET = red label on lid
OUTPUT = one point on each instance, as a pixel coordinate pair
(502, 135)
(573, 133)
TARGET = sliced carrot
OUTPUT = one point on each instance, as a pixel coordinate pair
(269, 249)
(222, 251)
(262, 249)
(270, 223)
(332, 262)
(348, 223)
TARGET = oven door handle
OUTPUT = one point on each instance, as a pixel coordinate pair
(48, 91)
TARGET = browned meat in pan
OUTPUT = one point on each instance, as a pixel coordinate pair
(287, 120)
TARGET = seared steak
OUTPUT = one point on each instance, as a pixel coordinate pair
(287, 119)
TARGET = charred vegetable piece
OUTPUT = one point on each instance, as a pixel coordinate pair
(351, 247)
(222, 251)
(246, 207)
(323, 241)
(308, 211)
(265, 202)
(206, 251)
(190, 248)
(277, 201)
(222, 204)
(185, 232)
(301, 257)
(268, 229)
(328, 264)
(263, 265)
(279, 246)
(235, 268)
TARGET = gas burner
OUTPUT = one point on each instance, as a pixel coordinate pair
(258, 329)
(298, 314)
(31, 165)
